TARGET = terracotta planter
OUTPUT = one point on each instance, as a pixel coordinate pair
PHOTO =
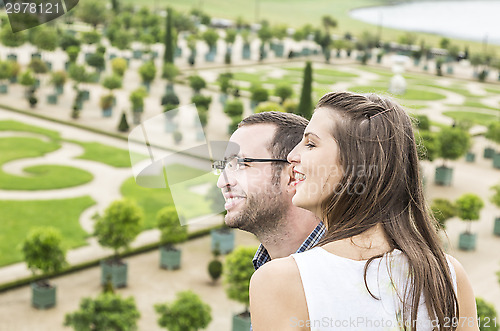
(43, 297)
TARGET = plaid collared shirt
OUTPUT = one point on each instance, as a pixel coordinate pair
(262, 256)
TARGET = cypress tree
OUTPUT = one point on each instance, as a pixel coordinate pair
(306, 106)
(123, 126)
(169, 50)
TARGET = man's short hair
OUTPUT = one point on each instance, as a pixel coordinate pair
(289, 131)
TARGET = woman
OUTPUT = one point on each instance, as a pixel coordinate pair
(380, 265)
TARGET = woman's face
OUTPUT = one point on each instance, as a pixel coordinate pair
(315, 162)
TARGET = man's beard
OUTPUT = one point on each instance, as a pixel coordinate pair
(263, 213)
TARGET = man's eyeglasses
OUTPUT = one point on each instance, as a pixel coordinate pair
(238, 163)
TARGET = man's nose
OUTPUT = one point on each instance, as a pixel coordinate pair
(225, 179)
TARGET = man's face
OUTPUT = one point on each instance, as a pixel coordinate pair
(255, 200)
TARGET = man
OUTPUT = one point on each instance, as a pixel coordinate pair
(257, 184)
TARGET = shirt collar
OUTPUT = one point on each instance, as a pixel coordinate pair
(261, 257)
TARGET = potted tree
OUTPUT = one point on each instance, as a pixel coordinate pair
(116, 229)
(259, 94)
(222, 239)
(468, 207)
(493, 134)
(234, 109)
(495, 199)
(442, 210)
(187, 313)
(5, 74)
(108, 311)
(238, 270)
(112, 82)
(59, 79)
(284, 91)
(210, 36)
(170, 72)
(148, 73)
(229, 39)
(43, 251)
(172, 232)
(197, 83)
(137, 99)
(246, 51)
(119, 66)
(215, 266)
(107, 105)
(123, 125)
(224, 81)
(453, 143)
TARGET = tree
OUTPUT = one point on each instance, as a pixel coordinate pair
(148, 72)
(259, 94)
(38, 66)
(453, 143)
(5, 70)
(224, 81)
(495, 198)
(197, 83)
(468, 207)
(137, 99)
(45, 39)
(170, 72)
(201, 100)
(284, 91)
(215, 266)
(422, 122)
(108, 311)
(91, 37)
(123, 125)
(43, 250)
(67, 40)
(442, 210)
(112, 82)
(119, 66)
(122, 39)
(305, 105)
(27, 79)
(238, 270)
(172, 232)
(168, 56)
(10, 39)
(493, 132)
(58, 78)
(78, 74)
(96, 60)
(73, 52)
(93, 12)
(187, 313)
(328, 22)
(119, 225)
(234, 108)
(210, 36)
(486, 315)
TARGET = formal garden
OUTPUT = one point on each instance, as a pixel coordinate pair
(105, 69)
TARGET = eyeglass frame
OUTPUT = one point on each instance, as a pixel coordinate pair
(220, 165)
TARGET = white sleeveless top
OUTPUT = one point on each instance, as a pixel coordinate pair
(337, 297)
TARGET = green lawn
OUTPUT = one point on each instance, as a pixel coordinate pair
(18, 217)
(476, 103)
(154, 199)
(478, 118)
(10, 125)
(411, 94)
(41, 177)
(325, 72)
(112, 156)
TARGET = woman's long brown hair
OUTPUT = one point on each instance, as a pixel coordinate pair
(381, 184)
